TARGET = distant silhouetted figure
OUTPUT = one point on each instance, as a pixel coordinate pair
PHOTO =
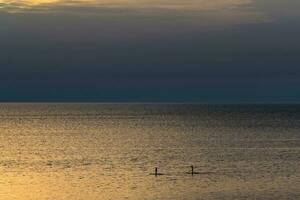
(156, 172)
(192, 172)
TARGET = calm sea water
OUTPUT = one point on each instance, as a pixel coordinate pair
(107, 151)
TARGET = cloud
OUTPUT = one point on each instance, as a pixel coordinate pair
(200, 12)
(197, 5)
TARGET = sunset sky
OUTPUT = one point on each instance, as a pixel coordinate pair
(206, 51)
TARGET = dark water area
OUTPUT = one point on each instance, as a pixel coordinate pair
(108, 151)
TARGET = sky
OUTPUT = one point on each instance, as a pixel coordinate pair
(200, 51)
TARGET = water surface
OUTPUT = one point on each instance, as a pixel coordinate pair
(106, 151)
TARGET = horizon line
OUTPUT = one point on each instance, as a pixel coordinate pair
(149, 102)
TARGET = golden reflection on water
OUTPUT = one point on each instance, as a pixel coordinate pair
(107, 152)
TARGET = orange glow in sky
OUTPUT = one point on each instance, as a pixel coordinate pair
(166, 4)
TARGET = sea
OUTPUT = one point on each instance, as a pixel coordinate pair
(90, 151)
